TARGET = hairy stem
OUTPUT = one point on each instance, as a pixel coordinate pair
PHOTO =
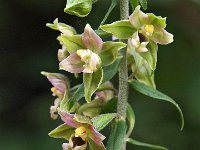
(123, 72)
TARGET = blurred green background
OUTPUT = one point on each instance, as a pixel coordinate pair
(28, 47)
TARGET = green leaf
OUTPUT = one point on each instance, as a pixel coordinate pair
(110, 106)
(143, 3)
(151, 92)
(94, 146)
(111, 70)
(102, 33)
(73, 43)
(134, 4)
(112, 6)
(131, 119)
(62, 131)
(101, 121)
(76, 96)
(117, 136)
(91, 82)
(80, 8)
(151, 55)
(151, 146)
(110, 51)
(120, 29)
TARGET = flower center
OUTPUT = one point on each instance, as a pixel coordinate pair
(92, 60)
(149, 29)
(80, 131)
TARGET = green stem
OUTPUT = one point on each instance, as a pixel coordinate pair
(123, 73)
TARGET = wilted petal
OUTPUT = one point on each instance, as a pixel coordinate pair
(68, 119)
(91, 40)
(96, 136)
(53, 109)
(72, 64)
(161, 36)
(138, 18)
(62, 53)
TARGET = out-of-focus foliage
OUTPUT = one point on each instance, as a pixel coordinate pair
(27, 46)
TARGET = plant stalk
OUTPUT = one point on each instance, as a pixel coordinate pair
(123, 72)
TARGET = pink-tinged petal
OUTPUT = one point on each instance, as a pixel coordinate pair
(91, 40)
(72, 64)
(138, 18)
(58, 83)
(68, 118)
(96, 136)
(161, 36)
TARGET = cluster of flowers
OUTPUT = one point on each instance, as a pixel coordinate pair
(88, 54)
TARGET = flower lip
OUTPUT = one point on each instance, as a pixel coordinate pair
(77, 141)
(142, 38)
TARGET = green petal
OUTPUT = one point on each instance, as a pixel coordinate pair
(62, 131)
(110, 51)
(161, 36)
(156, 20)
(73, 43)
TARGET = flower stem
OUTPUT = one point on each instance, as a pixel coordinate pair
(123, 73)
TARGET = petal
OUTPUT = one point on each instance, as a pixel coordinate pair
(72, 64)
(142, 47)
(58, 80)
(53, 108)
(138, 18)
(161, 36)
(68, 118)
(96, 136)
(91, 40)
(66, 146)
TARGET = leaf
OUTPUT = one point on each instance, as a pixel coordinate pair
(143, 3)
(91, 82)
(151, 92)
(102, 33)
(151, 55)
(79, 8)
(101, 121)
(111, 70)
(120, 29)
(94, 146)
(131, 119)
(151, 146)
(76, 96)
(73, 43)
(112, 6)
(110, 51)
(62, 131)
(134, 4)
(117, 136)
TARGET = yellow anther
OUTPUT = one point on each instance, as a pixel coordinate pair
(53, 90)
(149, 29)
(79, 52)
(81, 131)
